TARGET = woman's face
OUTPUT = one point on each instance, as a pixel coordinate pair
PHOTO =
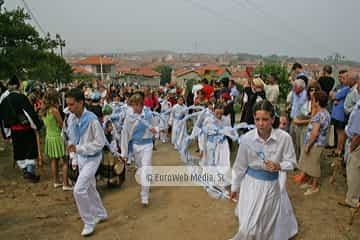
(263, 121)
(312, 90)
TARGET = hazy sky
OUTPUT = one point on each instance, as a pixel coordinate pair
(285, 27)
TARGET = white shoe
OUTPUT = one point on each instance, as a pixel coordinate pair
(100, 219)
(145, 202)
(88, 230)
(57, 185)
(305, 186)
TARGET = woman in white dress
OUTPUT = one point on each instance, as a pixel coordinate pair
(263, 152)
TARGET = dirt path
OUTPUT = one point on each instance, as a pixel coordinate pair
(37, 211)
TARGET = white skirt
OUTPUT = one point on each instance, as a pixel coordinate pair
(286, 226)
(258, 209)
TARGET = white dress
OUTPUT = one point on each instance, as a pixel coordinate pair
(177, 115)
(286, 226)
(260, 202)
(216, 150)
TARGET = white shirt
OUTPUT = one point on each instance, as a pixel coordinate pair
(277, 148)
(92, 141)
(272, 93)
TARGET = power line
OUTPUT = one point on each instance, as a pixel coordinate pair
(33, 17)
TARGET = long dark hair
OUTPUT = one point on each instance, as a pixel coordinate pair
(265, 105)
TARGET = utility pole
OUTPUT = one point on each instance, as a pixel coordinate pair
(61, 43)
(101, 69)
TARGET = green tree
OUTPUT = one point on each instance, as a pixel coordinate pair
(25, 53)
(165, 71)
(280, 71)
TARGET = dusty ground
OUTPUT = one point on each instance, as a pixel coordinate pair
(38, 211)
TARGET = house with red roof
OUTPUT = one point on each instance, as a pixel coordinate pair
(212, 72)
(239, 75)
(183, 75)
(100, 66)
(144, 76)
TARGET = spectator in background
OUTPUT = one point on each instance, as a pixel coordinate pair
(354, 94)
(298, 99)
(253, 93)
(353, 163)
(94, 105)
(234, 92)
(299, 72)
(272, 89)
(315, 141)
(284, 122)
(326, 81)
(208, 89)
(150, 100)
(338, 117)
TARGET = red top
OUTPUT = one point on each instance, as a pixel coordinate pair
(208, 91)
(151, 101)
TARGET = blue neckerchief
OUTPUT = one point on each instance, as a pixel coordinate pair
(80, 127)
(141, 127)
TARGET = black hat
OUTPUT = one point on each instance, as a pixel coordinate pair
(14, 81)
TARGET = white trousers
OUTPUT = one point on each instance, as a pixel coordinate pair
(142, 155)
(86, 196)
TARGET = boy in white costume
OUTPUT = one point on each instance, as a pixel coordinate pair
(256, 178)
(137, 137)
(86, 142)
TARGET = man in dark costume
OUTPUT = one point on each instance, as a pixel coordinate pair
(18, 115)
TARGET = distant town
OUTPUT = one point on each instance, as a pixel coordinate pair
(142, 67)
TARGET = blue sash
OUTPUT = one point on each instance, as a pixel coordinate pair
(216, 138)
(80, 128)
(262, 174)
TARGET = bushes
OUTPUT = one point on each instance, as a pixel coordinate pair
(280, 71)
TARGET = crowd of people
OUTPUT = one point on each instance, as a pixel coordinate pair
(83, 121)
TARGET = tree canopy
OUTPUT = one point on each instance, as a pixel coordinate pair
(280, 71)
(25, 53)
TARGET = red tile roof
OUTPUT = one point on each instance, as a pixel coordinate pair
(80, 70)
(204, 69)
(95, 60)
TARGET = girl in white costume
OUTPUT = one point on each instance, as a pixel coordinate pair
(256, 179)
(177, 114)
(165, 107)
(215, 151)
(137, 137)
